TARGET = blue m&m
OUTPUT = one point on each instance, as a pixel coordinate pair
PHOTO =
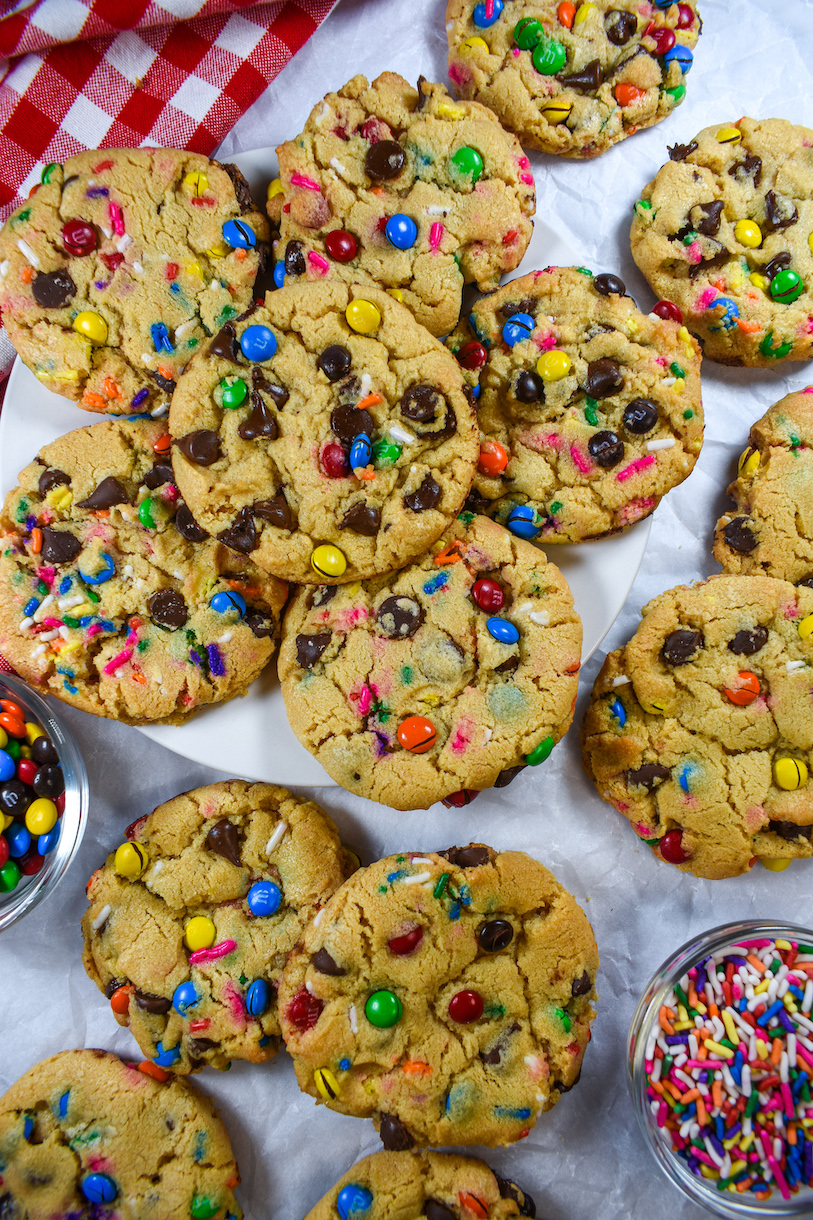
(166, 1058)
(500, 629)
(223, 602)
(239, 235)
(46, 843)
(353, 1198)
(258, 343)
(99, 1188)
(185, 996)
(7, 766)
(264, 898)
(258, 997)
(361, 452)
(480, 14)
(522, 521)
(401, 231)
(279, 274)
(680, 55)
(518, 327)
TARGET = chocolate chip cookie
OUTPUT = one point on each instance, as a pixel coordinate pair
(589, 410)
(572, 79)
(327, 435)
(404, 188)
(120, 265)
(445, 678)
(446, 995)
(699, 731)
(111, 597)
(723, 231)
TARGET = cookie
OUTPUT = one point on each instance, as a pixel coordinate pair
(447, 996)
(589, 410)
(699, 731)
(190, 920)
(413, 1185)
(723, 232)
(572, 79)
(120, 265)
(328, 435)
(111, 597)
(406, 189)
(770, 531)
(445, 678)
(86, 1135)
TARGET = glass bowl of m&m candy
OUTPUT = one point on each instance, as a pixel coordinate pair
(720, 1069)
(43, 799)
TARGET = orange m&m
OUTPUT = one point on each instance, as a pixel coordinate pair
(493, 458)
(417, 734)
(744, 690)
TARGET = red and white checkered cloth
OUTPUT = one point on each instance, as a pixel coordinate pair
(77, 74)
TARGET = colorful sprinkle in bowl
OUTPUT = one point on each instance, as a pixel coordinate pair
(774, 1066)
(32, 889)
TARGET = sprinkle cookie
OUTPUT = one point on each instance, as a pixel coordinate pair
(443, 679)
(111, 597)
(119, 267)
(724, 232)
(406, 189)
(447, 996)
(191, 919)
(417, 1185)
(85, 1135)
(328, 435)
(589, 410)
(770, 532)
(572, 79)
(699, 731)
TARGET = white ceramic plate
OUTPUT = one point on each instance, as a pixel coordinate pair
(251, 736)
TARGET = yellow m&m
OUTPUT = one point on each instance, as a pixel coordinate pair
(472, 43)
(327, 1086)
(556, 112)
(328, 560)
(748, 463)
(553, 366)
(199, 933)
(396, 293)
(729, 135)
(195, 182)
(130, 860)
(363, 316)
(775, 866)
(91, 325)
(40, 816)
(275, 188)
(760, 281)
(748, 233)
(805, 627)
(789, 773)
(583, 13)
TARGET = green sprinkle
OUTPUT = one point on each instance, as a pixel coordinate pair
(400, 859)
(681, 995)
(42, 587)
(584, 271)
(191, 343)
(795, 442)
(806, 948)
(591, 416)
(243, 980)
(382, 889)
(556, 506)
(495, 1010)
(676, 370)
(143, 645)
(688, 414)
(441, 885)
(24, 215)
(69, 621)
(94, 597)
(690, 237)
(753, 1104)
(406, 674)
(774, 966)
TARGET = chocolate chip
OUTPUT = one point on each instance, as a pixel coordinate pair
(277, 393)
(807, 583)
(187, 526)
(746, 643)
(394, 1135)
(325, 964)
(466, 857)
(448, 429)
(399, 617)
(168, 608)
(495, 935)
(679, 152)
(648, 776)
(422, 97)
(225, 344)
(680, 647)
(52, 289)
(604, 377)
(384, 160)
(493, 1057)
(309, 648)
(242, 533)
(475, 502)
(587, 79)
(433, 1209)
(202, 447)
(200, 1045)
(261, 625)
(108, 493)
(294, 259)
(509, 666)
(740, 536)
(321, 595)
(362, 519)
(52, 478)
(640, 416)
(421, 403)
(428, 495)
(781, 211)
(49, 781)
(510, 1190)
(112, 986)
(529, 387)
(620, 26)
(164, 383)
(508, 776)
(608, 284)
(777, 264)
(348, 422)
(790, 830)
(224, 838)
(158, 475)
(715, 259)
(606, 448)
(705, 217)
(59, 546)
(748, 169)
(582, 985)
(260, 422)
(242, 190)
(155, 1004)
(276, 512)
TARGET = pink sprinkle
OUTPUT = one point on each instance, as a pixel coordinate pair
(527, 179)
(753, 944)
(579, 460)
(633, 468)
(545, 342)
(663, 1110)
(705, 299)
(298, 179)
(661, 360)
(702, 1156)
(122, 658)
(235, 1000)
(621, 806)
(93, 629)
(459, 743)
(211, 955)
(52, 622)
(554, 441)
(47, 575)
(640, 829)
(808, 389)
(169, 493)
(791, 610)
(693, 253)
(515, 51)
(321, 264)
(489, 9)
(364, 700)
(435, 235)
(787, 1099)
(132, 637)
(116, 218)
(523, 163)
(459, 74)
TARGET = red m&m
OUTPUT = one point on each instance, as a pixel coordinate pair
(465, 1007)
(79, 237)
(341, 245)
(488, 595)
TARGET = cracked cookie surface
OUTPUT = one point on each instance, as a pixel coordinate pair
(255, 861)
(700, 730)
(111, 598)
(770, 531)
(85, 1128)
(723, 231)
(407, 189)
(117, 268)
(572, 79)
(443, 678)
(435, 1185)
(589, 410)
(478, 971)
(357, 445)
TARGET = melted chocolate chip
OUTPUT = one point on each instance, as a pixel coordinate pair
(399, 617)
(59, 546)
(680, 647)
(168, 609)
(224, 838)
(428, 495)
(325, 964)
(321, 595)
(509, 666)
(780, 210)
(394, 1135)
(508, 776)
(52, 289)
(242, 533)
(362, 519)
(225, 344)
(739, 535)
(679, 152)
(259, 423)
(495, 935)
(620, 26)
(421, 403)
(200, 1045)
(277, 393)
(510, 1190)
(155, 1004)
(705, 217)
(309, 648)
(294, 259)
(648, 776)
(348, 422)
(108, 493)
(604, 377)
(790, 830)
(608, 284)
(112, 986)
(242, 190)
(52, 478)
(466, 857)
(587, 79)
(746, 643)
(777, 264)
(164, 383)
(158, 475)
(187, 526)
(276, 512)
(749, 169)
(422, 97)
(475, 502)
(435, 1210)
(606, 448)
(202, 447)
(493, 1057)
(640, 416)
(529, 387)
(261, 625)
(581, 986)
(384, 160)
(720, 256)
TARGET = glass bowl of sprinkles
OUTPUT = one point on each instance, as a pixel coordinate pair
(43, 799)
(720, 1069)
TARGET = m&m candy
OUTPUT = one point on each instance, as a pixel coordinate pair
(328, 560)
(417, 734)
(363, 317)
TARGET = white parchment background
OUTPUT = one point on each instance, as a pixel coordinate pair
(586, 1159)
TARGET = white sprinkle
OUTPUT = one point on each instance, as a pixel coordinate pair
(317, 919)
(214, 285)
(137, 267)
(107, 232)
(366, 382)
(48, 635)
(159, 864)
(181, 330)
(178, 575)
(323, 115)
(541, 1098)
(435, 209)
(746, 1080)
(147, 358)
(4, 268)
(39, 650)
(118, 674)
(419, 860)
(400, 434)
(127, 570)
(65, 603)
(224, 639)
(65, 632)
(792, 666)
(27, 252)
(667, 442)
(124, 242)
(309, 989)
(161, 409)
(449, 27)
(622, 681)
(354, 1025)
(667, 381)
(807, 1002)
(101, 917)
(488, 734)
(337, 165)
(419, 877)
(540, 617)
(276, 838)
(25, 623)
(525, 608)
